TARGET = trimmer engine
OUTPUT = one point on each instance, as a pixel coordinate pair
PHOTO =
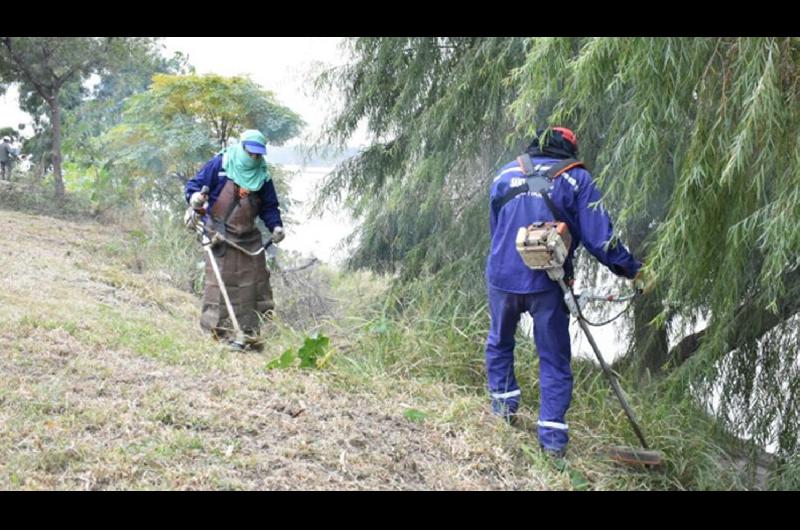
(544, 246)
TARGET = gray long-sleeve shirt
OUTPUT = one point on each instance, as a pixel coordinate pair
(5, 152)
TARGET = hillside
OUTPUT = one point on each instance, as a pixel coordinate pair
(107, 383)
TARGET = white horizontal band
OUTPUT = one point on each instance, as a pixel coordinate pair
(553, 425)
(507, 394)
(510, 170)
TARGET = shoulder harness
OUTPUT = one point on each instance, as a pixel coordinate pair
(539, 181)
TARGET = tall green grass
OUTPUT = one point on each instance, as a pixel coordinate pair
(159, 243)
(433, 339)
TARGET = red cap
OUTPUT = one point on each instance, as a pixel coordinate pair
(567, 135)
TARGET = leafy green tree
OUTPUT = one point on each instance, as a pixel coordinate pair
(87, 124)
(102, 107)
(701, 159)
(182, 120)
(694, 142)
(11, 132)
(40, 145)
(48, 64)
(224, 105)
(436, 110)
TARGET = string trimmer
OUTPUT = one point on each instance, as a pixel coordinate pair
(195, 221)
(544, 246)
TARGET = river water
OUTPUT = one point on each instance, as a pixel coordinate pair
(322, 237)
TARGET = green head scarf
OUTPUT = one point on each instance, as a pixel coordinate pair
(245, 171)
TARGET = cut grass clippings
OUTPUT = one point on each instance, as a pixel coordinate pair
(107, 382)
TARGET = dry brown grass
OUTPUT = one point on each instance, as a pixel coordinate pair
(106, 383)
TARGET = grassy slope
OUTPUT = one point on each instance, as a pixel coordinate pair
(106, 383)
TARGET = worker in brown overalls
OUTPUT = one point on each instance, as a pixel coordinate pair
(240, 188)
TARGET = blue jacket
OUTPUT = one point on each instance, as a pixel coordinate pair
(572, 193)
(213, 176)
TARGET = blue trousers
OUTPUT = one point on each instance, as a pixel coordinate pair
(551, 334)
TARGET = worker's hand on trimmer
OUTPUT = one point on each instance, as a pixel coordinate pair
(199, 202)
(643, 283)
(278, 234)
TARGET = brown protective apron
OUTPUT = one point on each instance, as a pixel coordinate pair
(246, 277)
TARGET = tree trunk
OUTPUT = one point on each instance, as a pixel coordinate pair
(650, 343)
(687, 347)
(651, 346)
(55, 115)
(759, 322)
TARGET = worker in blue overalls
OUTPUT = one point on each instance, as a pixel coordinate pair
(514, 288)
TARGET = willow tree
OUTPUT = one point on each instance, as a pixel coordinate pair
(436, 112)
(694, 142)
(700, 156)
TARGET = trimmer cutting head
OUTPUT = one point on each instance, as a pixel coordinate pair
(632, 456)
(237, 345)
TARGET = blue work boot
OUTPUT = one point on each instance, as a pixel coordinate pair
(505, 410)
(554, 454)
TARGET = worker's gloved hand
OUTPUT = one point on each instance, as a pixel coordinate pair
(199, 202)
(278, 234)
(188, 218)
(643, 283)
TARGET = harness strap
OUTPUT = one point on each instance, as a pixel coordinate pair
(233, 204)
(538, 182)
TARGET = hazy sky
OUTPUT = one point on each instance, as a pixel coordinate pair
(282, 65)
(279, 64)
